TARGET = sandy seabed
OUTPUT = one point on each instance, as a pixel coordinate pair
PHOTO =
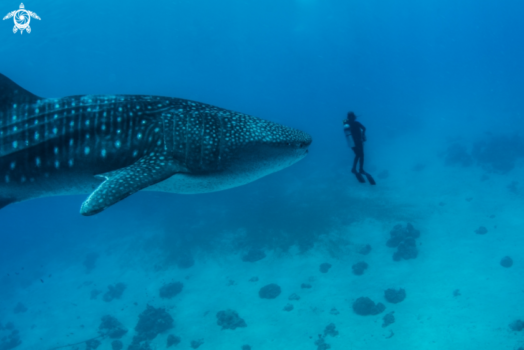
(452, 257)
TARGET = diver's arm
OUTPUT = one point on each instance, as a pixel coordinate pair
(363, 128)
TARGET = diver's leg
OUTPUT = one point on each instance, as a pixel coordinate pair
(359, 151)
(355, 161)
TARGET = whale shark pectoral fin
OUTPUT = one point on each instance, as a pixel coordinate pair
(122, 183)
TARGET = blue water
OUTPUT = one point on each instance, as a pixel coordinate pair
(421, 76)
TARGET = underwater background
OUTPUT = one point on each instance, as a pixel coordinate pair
(306, 258)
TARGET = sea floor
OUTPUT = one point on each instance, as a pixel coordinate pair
(458, 296)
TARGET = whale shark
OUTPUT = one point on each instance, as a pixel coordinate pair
(111, 146)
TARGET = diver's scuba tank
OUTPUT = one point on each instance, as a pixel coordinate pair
(347, 132)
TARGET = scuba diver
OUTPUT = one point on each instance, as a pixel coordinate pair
(356, 136)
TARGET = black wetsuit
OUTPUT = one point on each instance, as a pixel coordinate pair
(357, 131)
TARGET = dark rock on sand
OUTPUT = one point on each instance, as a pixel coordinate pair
(517, 325)
(364, 306)
(359, 268)
(173, 340)
(321, 343)
(195, 344)
(506, 261)
(288, 307)
(271, 291)
(20, 308)
(395, 295)
(170, 290)
(111, 327)
(11, 340)
(481, 230)
(330, 330)
(114, 292)
(404, 239)
(229, 319)
(324, 268)
(388, 319)
(406, 250)
(151, 322)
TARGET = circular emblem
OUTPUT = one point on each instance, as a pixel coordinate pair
(22, 19)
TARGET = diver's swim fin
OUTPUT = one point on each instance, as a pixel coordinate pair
(370, 178)
(359, 176)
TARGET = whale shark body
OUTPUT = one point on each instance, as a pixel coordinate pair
(111, 146)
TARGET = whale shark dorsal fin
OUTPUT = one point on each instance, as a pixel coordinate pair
(11, 93)
(122, 183)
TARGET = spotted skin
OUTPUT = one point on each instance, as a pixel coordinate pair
(112, 146)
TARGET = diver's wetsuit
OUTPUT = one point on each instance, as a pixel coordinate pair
(357, 131)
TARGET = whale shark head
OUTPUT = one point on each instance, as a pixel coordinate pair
(269, 147)
(248, 148)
